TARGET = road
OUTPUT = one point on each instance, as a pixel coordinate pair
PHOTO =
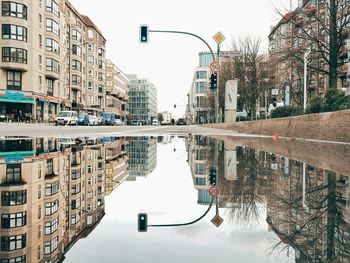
(40, 130)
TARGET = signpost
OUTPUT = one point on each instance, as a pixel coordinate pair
(229, 54)
(214, 191)
(214, 67)
(219, 37)
(217, 220)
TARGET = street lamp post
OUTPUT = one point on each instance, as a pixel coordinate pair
(306, 54)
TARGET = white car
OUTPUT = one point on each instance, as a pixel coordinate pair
(118, 122)
(155, 123)
(93, 120)
(67, 118)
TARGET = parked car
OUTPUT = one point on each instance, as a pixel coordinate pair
(181, 122)
(92, 120)
(67, 118)
(164, 123)
(83, 119)
(118, 122)
(100, 120)
(155, 123)
(108, 118)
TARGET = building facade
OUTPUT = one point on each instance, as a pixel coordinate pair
(143, 100)
(198, 107)
(53, 59)
(117, 91)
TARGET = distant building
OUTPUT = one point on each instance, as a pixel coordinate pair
(143, 100)
(198, 110)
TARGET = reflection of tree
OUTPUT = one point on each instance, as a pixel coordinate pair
(320, 234)
(247, 190)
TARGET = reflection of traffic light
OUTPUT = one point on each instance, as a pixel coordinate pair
(174, 106)
(212, 176)
(142, 222)
(213, 81)
(144, 34)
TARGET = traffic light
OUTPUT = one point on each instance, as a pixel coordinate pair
(174, 106)
(214, 81)
(143, 34)
(142, 222)
(212, 176)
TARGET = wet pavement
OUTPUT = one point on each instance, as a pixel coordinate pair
(77, 199)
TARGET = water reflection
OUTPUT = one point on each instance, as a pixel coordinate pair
(307, 207)
(53, 192)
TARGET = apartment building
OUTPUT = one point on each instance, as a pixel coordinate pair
(198, 108)
(299, 30)
(117, 91)
(143, 100)
(53, 59)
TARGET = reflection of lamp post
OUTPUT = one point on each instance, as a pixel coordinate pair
(306, 54)
(304, 188)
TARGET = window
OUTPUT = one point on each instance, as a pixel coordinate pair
(53, 7)
(75, 174)
(90, 73)
(90, 85)
(13, 243)
(200, 181)
(200, 169)
(11, 54)
(76, 189)
(14, 80)
(76, 50)
(101, 64)
(51, 246)
(201, 75)
(89, 168)
(52, 188)
(90, 33)
(75, 219)
(91, 60)
(75, 204)
(14, 9)
(201, 87)
(52, 65)
(52, 26)
(13, 173)
(21, 259)
(51, 208)
(52, 46)
(76, 35)
(76, 80)
(14, 32)
(101, 52)
(50, 88)
(89, 195)
(76, 65)
(101, 76)
(51, 227)
(13, 220)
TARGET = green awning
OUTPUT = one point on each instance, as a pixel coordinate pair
(19, 154)
(17, 99)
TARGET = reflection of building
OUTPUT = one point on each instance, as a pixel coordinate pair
(116, 163)
(52, 194)
(143, 100)
(143, 155)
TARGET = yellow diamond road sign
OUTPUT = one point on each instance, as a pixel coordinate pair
(217, 220)
(219, 37)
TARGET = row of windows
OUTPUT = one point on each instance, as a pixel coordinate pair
(52, 65)
(14, 9)
(52, 188)
(13, 242)
(13, 220)
(53, 7)
(52, 46)
(14, 32)
(52, 26)
(51, 227)
(21, 259)
(51, 208)
(11, 54)
(14, 198)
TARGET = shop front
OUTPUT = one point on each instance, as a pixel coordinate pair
(16, 106)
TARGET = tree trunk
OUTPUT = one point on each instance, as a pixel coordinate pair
(333, 45)
(331, 216)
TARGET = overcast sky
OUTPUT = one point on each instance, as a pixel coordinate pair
(169, 61)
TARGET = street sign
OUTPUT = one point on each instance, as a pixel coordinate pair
(274, 92)
(214, 191)
(219, 37)
(214, 67)
(217, 220)
(230, 54)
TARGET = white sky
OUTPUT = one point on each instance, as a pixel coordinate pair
(169, 60)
